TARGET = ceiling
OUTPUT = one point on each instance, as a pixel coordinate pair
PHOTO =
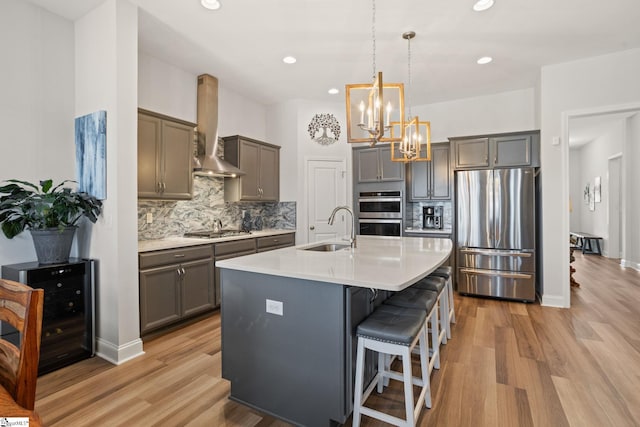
(243, 43)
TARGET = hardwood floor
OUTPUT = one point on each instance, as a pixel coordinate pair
(508, 364)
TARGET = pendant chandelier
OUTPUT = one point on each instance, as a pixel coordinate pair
(415, 145)
(372, 107)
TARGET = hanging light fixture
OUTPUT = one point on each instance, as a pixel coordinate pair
(415, 145)
(371, 107)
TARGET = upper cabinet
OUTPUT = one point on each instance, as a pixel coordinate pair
(497, 151)
(165, 148)
(375, 165)
(431, 180)
(261, 164)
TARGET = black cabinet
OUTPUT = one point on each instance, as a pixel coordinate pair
(430, 180)
(68, 311)
(497, 151)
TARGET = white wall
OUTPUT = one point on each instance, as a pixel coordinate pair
(288, 127)
(631, 239)
(167, 89)
(106, 79)
(36, 104)
(593, 83)
(593, 162)
(501, 112)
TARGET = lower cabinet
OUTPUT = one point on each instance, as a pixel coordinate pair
(236, 248)
(175, 284)
(232, 249)
(179, 284)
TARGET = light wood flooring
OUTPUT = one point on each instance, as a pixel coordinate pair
(508, 364)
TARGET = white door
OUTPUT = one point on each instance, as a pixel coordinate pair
(326, 189)
(614, 207)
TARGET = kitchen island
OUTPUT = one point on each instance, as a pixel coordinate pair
(289, 319)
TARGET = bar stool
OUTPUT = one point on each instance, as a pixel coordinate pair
(438, 285)
(392, 330)
(420, 299)
(446, 272)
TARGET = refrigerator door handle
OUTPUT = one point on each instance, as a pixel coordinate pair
(497, 253)
(506, 274)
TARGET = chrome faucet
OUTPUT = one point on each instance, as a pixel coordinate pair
(352, 240)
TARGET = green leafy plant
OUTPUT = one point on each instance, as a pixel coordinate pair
(24, 205)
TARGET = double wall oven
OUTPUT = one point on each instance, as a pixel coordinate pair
(380, 213)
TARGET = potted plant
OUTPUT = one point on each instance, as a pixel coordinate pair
(50, 213)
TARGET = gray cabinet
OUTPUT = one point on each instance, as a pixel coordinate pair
(236, 248)
(261, 164)
(375, 165)
(165, 148)
(497, 151)
(226, 250)
(269, 243)
(431, 180)
(175, 284)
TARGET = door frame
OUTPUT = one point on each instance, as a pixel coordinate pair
(304, 217)
(564, 152)
(620, 249)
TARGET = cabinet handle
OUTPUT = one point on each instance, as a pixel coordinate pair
(312, 227)
(275, 240)
(158, 187)
(178, 256)
(183, 271)
(164, 186)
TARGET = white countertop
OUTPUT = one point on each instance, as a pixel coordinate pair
(387, 263)
(181, 242)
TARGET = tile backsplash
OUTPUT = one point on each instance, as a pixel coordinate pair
(174, 218)
(413, 215)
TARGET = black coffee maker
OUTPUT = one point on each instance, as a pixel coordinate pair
(432, 217)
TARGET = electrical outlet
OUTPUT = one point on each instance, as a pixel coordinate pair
(149, 218)
(274, 307)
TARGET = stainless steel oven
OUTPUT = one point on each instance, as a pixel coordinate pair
(380, 213)
(380, 227)
(380, 204)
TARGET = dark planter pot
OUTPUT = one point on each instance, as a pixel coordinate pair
(52, 245)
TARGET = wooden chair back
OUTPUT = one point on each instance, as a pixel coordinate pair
(21, 306)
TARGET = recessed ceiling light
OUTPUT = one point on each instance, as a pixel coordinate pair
(333, 91)
(484, 60)
(289, 60)
(482, 5)
(210, 4)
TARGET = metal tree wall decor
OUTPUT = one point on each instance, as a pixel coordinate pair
(324, 122)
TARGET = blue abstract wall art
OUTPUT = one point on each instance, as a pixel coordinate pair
(91, 154)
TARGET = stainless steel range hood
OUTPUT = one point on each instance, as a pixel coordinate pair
(206, 162)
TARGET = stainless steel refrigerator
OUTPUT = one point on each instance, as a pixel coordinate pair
(496, 233)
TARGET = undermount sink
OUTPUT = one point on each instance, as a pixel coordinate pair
(326, 247)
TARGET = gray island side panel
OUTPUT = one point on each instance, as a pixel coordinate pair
(298, 366)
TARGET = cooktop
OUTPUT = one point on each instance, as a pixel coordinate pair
(212, 234)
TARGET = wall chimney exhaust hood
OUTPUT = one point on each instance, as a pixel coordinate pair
(206, 161)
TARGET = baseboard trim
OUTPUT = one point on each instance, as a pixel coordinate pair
(553, 301)
(119, 354)
(630, 264)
